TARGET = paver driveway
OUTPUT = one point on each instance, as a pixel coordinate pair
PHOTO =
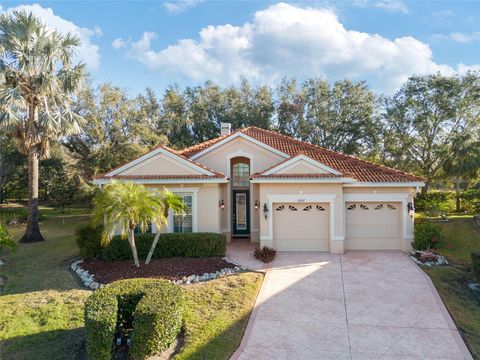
(361, 305)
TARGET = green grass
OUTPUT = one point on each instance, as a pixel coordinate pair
(462, 237)
(217, 314)
(42, 303)
(41, 306)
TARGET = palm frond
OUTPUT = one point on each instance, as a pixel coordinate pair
(30, 80)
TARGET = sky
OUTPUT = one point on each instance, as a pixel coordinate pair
(139, 44)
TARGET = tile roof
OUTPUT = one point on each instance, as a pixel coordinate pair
(296, 176)
(216, 174)
(359, 169)
(162, 177)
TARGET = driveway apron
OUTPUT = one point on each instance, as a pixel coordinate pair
(360, 305)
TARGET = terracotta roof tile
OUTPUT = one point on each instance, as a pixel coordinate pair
(216, 173)
(296, 176)
(161, 177)
(361, 170)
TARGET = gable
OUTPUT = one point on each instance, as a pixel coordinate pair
(301, 164)
(160, 165)
(160, 161)
(261, 156)
(302, 167)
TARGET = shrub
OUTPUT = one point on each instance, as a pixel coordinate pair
(427, 235)
(88, 241)
(100, 321)
(154, 307)
(476, 264)
(470, 200)
(265, 254)
(6, 240)
(435, 203)
(157, 322)
(169, 245)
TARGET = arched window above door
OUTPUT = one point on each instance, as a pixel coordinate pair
(241, 174)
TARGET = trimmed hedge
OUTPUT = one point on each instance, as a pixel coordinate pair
(427, 235)
(88, 241)
(169, 245)
(154, 307)
(100, 321)
(476, 264)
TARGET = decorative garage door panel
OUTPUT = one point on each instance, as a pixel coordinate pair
(301, 226)
(373, 226)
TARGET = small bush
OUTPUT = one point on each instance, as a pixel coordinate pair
(470, 200)
(435, 203)
(6, 240)
(169, 245)
(265, 254)
(100, 321)
(427, 235)
(157, 322)
(153, 307)
(476, 264)
(88, 241)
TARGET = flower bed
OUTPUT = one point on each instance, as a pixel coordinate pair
(177, 270)
(427, 258)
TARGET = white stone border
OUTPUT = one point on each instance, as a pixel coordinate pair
(88, 280)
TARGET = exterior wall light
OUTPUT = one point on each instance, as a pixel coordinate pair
(221, 204)
(411, 209)
(265, 211)
(257, 205)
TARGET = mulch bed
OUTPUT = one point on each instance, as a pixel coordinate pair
(169, 268)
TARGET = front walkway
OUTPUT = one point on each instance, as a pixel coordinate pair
(362, 305)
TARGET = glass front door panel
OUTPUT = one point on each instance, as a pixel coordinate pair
(241, 211)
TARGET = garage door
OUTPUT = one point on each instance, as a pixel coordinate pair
(373, 226)
(300, 226)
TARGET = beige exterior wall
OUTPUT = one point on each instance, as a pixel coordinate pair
(159, 165)
(207, 214)
(336, 243)
(219, 158)
(301, 167)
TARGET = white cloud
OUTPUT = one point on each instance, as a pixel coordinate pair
(458, 37)
(392, 6)
(389, 5)
(87, 52)
(178, 6)
(464, 37)
(119, 43)
(288, 40)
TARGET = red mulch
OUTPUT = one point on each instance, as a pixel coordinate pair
(169, 268)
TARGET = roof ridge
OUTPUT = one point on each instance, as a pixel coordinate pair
(175, 152)
(337, 153)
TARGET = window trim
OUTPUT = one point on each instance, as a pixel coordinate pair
(194, 192)
(247, 178)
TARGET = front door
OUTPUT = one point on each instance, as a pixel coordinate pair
(241, 212)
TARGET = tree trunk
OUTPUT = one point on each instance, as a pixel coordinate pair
(32, 234)
(425, 188)
(131, 241)
(152, 248)
(457, 195)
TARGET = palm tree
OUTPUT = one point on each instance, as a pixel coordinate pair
(123, 207)
(170, 202)
(36, 82)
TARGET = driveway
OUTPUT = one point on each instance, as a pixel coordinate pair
(361, 305)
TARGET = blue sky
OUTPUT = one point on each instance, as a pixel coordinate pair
(137, 44)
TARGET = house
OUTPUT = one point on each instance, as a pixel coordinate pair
(280, 192)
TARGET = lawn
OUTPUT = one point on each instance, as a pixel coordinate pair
(41, 314)
(462, 237)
